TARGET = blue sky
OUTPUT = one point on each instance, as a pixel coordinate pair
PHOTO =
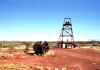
(34, 20)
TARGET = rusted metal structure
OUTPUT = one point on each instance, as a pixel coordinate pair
(39, 47)
(66, 36)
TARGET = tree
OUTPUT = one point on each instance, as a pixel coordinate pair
(27, 44)
(0, 45)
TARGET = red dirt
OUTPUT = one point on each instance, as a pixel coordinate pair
(72, 59)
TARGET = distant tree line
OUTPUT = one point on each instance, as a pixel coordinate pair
(51, 43)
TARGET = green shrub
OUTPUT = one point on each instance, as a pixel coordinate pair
(27, 44)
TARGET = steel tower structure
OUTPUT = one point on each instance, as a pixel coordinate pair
(66, 36)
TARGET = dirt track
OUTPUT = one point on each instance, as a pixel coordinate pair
(72, 59)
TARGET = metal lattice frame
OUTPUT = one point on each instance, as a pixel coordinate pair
(66, 34)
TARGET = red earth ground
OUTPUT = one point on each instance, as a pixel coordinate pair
(72, 59)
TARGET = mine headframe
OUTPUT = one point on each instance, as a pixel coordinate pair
(66, 37)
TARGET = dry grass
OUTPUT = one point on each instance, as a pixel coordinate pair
(49, 53)
(24, 67)
(6, 55)
(96, 48)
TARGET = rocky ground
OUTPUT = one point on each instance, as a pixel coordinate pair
(71, 59)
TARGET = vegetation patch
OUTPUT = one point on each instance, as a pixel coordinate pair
(96, 48)
(5, 55)
(24, 67)
(49, 53)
